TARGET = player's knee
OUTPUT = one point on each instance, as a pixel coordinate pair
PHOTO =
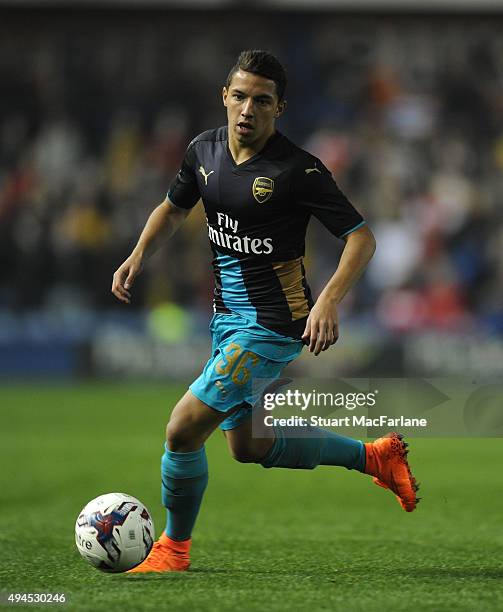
(177, 436)
(242, 455)
(246, 453)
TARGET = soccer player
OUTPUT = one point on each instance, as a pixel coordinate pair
(259, 191)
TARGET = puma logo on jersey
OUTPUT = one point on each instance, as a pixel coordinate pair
(315, 169)
(203, 172)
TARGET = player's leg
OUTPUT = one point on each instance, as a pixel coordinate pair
(184, 467)
(251, 441)
(292, 447)
(184, 476)
(247, 444)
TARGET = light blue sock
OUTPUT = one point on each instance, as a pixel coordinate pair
(184, 480)
(305, 448)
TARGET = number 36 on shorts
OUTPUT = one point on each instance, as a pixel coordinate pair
(237, 362)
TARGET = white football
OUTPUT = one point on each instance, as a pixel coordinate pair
(114, 532)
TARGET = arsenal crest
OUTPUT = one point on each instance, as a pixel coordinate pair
(262, 189)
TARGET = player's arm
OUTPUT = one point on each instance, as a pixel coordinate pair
(163, 222)
(321, 329)
(317, 192)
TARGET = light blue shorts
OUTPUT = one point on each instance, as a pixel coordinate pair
(242, 352)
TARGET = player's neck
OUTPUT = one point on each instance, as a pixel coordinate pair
(243, 152)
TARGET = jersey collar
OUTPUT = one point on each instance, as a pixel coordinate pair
(267, 147)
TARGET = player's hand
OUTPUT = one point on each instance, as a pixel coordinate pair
(322, 326)
(124, 276)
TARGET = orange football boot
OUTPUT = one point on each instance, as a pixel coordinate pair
(386, 460)
(167, 555)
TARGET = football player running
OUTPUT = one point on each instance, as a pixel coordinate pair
(259, 191)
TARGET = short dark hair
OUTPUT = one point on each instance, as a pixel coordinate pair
(262, 63)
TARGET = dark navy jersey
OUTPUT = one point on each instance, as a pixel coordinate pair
(257, 214)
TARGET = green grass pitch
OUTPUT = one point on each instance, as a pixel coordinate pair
(326, 539)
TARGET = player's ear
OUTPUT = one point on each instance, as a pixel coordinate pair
(225, 93)
(281, 108)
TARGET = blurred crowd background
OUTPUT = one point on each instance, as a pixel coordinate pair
(97, 109)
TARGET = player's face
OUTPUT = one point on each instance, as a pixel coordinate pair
(252, 107)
